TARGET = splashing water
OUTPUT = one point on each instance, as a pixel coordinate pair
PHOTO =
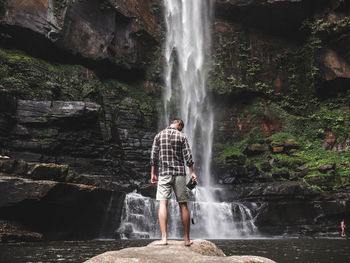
(232, 220)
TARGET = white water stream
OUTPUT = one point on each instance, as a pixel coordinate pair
(187, 57)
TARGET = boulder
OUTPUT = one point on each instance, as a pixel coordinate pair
(326, 168)
(67, 109)
(14, 232)
(335, 66)
(291, 145)
(255, 149)
(56, 210)
(265, 178)
(11, 166)
(174, 252)
(49, 171)
(33, 111)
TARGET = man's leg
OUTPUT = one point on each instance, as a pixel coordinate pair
(163, 219)
(185, 216)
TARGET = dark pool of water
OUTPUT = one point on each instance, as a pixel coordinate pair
(280, 250)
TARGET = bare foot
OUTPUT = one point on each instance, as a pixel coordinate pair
(188, 243)
(161, 243)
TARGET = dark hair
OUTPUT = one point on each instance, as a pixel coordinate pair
(179, 122)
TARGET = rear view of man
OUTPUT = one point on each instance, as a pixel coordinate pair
(170, 151)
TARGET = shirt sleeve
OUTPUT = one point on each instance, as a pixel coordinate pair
(155, 151)
(187, 152)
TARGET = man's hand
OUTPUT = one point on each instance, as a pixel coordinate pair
(194, 178)
(154, 179)
(193, 175)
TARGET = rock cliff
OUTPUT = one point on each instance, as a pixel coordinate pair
(80, 92)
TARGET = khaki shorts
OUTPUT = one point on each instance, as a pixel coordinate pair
(175, 182)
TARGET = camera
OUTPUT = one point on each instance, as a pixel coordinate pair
(191, 184)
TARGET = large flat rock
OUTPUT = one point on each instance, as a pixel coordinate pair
(199, 251)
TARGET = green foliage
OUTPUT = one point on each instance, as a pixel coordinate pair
(228, 150)
(282, 137)
(335, 120)
(37, 79)
(249, 65)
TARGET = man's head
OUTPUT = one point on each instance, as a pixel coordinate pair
(178, 124)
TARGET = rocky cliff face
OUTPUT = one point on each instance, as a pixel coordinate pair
(81, 87)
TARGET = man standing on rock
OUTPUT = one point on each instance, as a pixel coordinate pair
(170, 151)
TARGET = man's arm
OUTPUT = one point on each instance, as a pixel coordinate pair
(154, 160)
(187, 152)
(154, 179)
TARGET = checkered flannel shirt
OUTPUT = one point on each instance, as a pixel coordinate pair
(170, 150)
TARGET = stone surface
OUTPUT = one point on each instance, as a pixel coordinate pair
(92, 29)
(13, 232)
(54, 210)
(49, 171)
(175, 251)
(335, 66)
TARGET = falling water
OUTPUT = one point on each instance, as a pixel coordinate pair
(187, 54)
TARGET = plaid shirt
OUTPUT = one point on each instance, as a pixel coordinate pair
(169, 151)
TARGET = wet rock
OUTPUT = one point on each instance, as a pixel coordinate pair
(22, 189)
(329, 141)
(230, 180)
(255, 149)
(265, 178)
(49, 171)
(291, 145)
(74, 109)
(281, 174)
(11, 166)
(277, 149)
(320, 180)
(33, 111)
(56, 210)
(148, 190)
(303, 170)
(335, 66)
(326, 168)
(236, 160)
(199, 251)
(266, 166)
(8, 100)
(252, 170)
(13, 232)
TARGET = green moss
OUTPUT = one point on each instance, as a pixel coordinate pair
(287, 160)
(37, 79)
(228, 150)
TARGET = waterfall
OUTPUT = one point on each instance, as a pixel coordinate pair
(187, 53)
(187, 59)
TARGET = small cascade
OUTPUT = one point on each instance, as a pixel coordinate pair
(233, 220)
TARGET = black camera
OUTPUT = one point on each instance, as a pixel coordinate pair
(191, 184)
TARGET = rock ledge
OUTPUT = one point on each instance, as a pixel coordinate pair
(175, 252)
